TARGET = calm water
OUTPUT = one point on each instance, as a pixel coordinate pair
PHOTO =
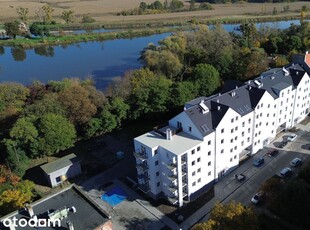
(102, 60)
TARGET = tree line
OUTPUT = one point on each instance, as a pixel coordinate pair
(158, 7)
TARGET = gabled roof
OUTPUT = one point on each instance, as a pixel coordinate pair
(206, 123)
(60, 163)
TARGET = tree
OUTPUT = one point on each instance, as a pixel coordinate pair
(206, 78)
(182, 92)
(48, 10)
(67, 16)
(150, 93)
(15, 198)
(56, 133)
(38, 30)
(119, 108)
(76, 101)
(229, 216)
(23, 14)
(93, 127)
(17, 159)
(12, 29)
(176, 4)
(143, 6)
(108, 121)
(24, 132)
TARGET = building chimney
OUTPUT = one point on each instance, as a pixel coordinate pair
(30, 210)
(169, 134)
(70, 225)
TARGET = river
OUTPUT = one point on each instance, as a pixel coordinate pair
(102, 60)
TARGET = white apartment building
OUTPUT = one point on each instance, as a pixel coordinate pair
(184, 158)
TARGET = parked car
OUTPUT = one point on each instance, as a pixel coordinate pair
(286, 172)
(273, 153)
(282, 144)
(240, 177)
(292, 137)
(257, 197)
(258, 162)
(296, 162)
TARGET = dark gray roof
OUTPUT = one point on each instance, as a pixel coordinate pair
(300, 59)
(206, 123)
(87, 215)
(278, 80)
(60, 163)
(241, 97)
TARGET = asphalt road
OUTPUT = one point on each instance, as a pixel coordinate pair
(255, 176)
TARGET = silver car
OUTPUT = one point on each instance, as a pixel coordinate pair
(296, 162)
(286, 172)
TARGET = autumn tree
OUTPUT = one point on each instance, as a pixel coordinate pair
(230, 216)
(78, 105)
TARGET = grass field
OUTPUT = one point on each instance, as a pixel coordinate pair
(105, 10)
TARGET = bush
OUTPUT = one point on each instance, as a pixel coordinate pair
(87, 19)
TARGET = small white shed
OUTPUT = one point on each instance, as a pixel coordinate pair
(62, 169)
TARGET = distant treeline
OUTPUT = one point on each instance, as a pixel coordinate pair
(257, 1)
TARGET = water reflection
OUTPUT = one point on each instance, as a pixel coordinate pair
(2, 50)
(18, 54)
(47, 51)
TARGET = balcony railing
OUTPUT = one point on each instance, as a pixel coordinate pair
(172, 200)
(172, 176)
(144, 177)
(171, 165)
(144, 187)
(172, 188)
(183, 160)
(141, 156)
(142, 167)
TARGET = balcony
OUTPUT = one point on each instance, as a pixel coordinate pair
(184, 180)
(184, 169)
(140, 156)
(173, 187)
(183, 160)
(172, 177)
(142, 167)
(184, 194)
(144, 187)
(171, 165)
(172, 200)
(145, 177)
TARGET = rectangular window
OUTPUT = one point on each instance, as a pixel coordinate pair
(193, 163)
(209, 163)
(189, 128)
(157, 173)
(232, 140)
(242, 143)
(231, 150)
(232, 120)
(242, 134)
(235, 157)
(193, 184)
(222, 130)
(230, 159)
(198, 148)
(243, 124)
(158, 184)
(249, 120)
(222, 141)
(58, 179)
(232, 130)
(199, 170)
(209, 173)
(236, 138)
(235, 148)
(193, 173)
(249, 130)
(198, 160)
(236, 128)
(156, 163)
(199, 180)
(193, 151)
(209, 142)
(209, 153)
(155, 152)
(222, 151)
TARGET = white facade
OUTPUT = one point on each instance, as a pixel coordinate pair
(206, 141)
